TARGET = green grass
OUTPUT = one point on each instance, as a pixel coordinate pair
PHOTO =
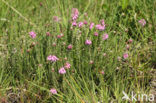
(26, 76)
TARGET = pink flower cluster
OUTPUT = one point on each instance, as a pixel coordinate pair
(101, 26)
(125, 55)
(67, 65)
(56, 19)
(88, 42)
(91, 26)
(53, 91)
(32, 34)
(62, 69)
(96, 34)
(70, 47)
(74, 23)
(52, 58)
(105, 36)
(80, 24)
(142, 22)
(75, 13)
(60, 35)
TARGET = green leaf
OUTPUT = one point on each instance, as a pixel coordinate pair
(124, 4)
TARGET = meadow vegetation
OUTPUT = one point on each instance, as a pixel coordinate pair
(76, 51)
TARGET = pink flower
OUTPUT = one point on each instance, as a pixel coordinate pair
(52, 58)
(91, 62)
(48, 33)
(54, 44)
(142, 22)
(65, 58)
(125, 55)
(75, 13)
(74, 23)
(59, 36)
(56, 18)
(102, 72)
(96, 34)
(64, 43)
(104, 54)
(100, 27)
(102, 22)
(70, 46)
(62, 70)
(91, 26)
(105, 36)
(127, 46)
(53, 91)
(88, 42)
(130, 40)
(85, 22)
(32, 34)
(67, 65)
(80, 24)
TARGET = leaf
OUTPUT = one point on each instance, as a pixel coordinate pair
(124, 4)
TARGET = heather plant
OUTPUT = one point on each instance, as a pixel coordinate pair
(83, 51)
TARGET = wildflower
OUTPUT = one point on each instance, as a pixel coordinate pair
(53, 70)
(67, 65)
(75, 13)
(102, 22)
(52, 58)
(62, 34)
(102, 72)
(142, 22)
(40, 65)
(91, 26)
(91, 62)
(65, 58)
(104, 54)
(80, 24)
(126, 30)
(130, 40)
(117, 68)
(85, 22)
(62, 70)
(74, 23)
(54, 44)
(32, 34)
(64, 43)
(56, 18)
(28, 50)
(105, 36)
(125, 55)
(127, 46)
(32, 44)
(48, 33)
(53, 91)
(96, 34)
(69, 46)
(100, 27)
(88, 42)
(59, 36)
(41, 4)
